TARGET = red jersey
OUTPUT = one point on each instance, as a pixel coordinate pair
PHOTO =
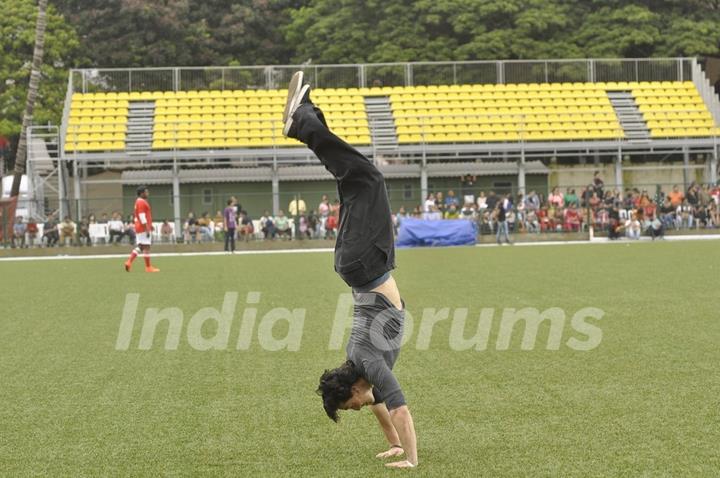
(143, 216)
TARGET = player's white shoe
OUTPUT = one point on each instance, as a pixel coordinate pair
(296, 92)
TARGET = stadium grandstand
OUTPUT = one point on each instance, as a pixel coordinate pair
(417, 120)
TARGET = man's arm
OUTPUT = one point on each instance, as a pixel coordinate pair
(391, 435)
(383, 379)
(403, 422)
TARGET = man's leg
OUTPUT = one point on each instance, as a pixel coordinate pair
(341, 159)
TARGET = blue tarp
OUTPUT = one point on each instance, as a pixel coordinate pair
(420, 232)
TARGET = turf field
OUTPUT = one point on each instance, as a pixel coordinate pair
(644, 402)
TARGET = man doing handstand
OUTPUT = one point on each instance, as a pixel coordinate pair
(364, 257)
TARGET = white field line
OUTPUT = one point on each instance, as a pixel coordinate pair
(597, 240)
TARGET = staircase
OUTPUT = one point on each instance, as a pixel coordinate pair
(629, 115)
(382, 124)
(141, 117)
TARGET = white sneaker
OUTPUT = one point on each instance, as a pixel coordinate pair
(296, 92)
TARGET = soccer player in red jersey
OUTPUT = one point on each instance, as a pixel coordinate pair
(143, 230)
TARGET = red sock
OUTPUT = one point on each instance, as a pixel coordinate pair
(147, 259)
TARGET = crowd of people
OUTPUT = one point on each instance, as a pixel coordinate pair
(630, 213)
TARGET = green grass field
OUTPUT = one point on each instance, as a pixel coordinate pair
(645, 402)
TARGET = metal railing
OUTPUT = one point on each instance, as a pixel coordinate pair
(381, 74)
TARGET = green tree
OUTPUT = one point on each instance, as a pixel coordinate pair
(17, 39)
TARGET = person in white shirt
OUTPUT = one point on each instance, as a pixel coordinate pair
(116, 228)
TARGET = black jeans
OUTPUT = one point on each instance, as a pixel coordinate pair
(365, 246)
(230, 240)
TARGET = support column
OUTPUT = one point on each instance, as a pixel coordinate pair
(176, 200)
(686, 167)
(618, 172)
(275, 191)
(61, 190)
(714, 166)
(423, 183)
(521, 173)
(76, 189)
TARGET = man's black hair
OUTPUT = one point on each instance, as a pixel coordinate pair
(141, 189)
(336, 387)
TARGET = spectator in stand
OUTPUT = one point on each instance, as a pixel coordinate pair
(667, 213)
(19, 230)
(570, 198)
(191, 229)
(32, 231)
(324, 206)
(429, 203)
(229, 221)
(556, 198)
(467, 188)
(491, 201)
(166, 231)
(684, 215)
(331, 226)
(434, 214)
(297, 207)
(468, 211)
(452, 212)
(116, 228)
(598, 184)
(676, 196)
(247, 228)
(207, 227)
(323, 213)
(632, 227)
(519, 213)
(267, 225)
(50, 231)
(713, 213)
(282, 225)
(654, 228)
(335, 209)
(704, 194)
(715, 193)
(532, 223)
(103, 218)
(451, 199)
(303, 228)
(314, 226)
(692, 196)
(594, 202)
(67, 230)
(440, 202)
(130, 228)
(532, 201)
(571, 219)
(83, 232)
(615, 227)
(481, 202)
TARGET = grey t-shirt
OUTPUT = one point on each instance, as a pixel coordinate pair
(374, 345)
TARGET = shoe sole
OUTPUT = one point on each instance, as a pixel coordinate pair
(296, 91)
(293, 87)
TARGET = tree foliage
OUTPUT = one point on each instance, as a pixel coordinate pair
(17, 39)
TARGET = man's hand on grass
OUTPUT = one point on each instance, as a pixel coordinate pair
(394, 451)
